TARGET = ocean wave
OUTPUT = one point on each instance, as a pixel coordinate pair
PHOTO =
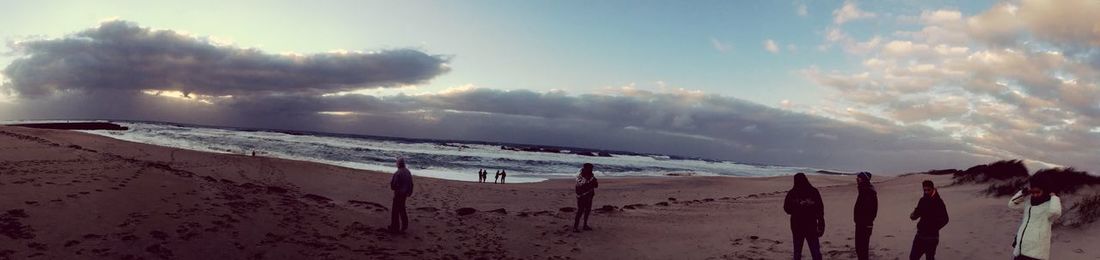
(448, 160)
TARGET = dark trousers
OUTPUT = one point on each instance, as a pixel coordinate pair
(1022, 257)
(815, 247)
(924, 245)
(584, 208)
(863, 241)
(399, 218)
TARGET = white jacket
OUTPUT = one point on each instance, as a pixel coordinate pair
(1033, 237)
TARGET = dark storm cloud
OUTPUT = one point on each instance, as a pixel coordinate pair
(677, 123)
(100, 74)
(123, 56)
(681, 123)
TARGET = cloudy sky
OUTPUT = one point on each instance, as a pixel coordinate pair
(887, 86)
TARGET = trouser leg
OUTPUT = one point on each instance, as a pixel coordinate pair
(863, 241)
(404, 213)
(797, 246)
(815, 247)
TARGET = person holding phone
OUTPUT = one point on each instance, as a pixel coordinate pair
(932, 213)
(1041, 207)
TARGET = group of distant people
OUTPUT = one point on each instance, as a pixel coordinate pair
(807, 213)
(402, 185)
(483, 176)
(1032, 241)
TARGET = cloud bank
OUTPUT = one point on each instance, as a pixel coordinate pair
(1018, 80)
(119, 70)
(119, 55)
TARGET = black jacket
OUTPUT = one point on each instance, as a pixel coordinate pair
(866, 208)
(807, 211)
(932, 214)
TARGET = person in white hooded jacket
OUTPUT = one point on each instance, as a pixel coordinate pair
(1041, 208)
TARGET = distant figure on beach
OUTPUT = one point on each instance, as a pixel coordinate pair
(933, 216)
(865, 211)
(586, 190)
(807, 212)
(503, 174)
(1040, 207)
(402, 185)
(497, 178)
(481, 176)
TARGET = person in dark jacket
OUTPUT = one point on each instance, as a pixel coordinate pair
(865, 211)
(497, 177)
(586, 190)
(402, 185)
(807, 212)
(503, 174)
(933, 216)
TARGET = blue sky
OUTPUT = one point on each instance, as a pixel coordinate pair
(812, 83)
(579, 46)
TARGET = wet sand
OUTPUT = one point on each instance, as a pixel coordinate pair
(67, 195)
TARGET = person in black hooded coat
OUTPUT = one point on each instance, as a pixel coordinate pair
(864, 213)
(932, 213)
(803, 203)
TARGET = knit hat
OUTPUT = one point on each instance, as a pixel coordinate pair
(864, 175)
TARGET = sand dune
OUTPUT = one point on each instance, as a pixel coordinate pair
(69, 195)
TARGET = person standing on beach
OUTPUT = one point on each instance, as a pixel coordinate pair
(481, 176)
(865, 211)
(496, 179)
(1041, 207)
(402, 185)
(933, 216)
(803, 203)
(586, 190)
(503, 174)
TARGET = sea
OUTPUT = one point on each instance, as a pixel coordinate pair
(445, 159)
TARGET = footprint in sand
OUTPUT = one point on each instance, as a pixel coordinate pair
(465, 211)
(634, 206)
(12, 228)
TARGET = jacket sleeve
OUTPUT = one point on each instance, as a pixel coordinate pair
(917, 211)
(595, 183)
(944, 218)
(820, 211)
(1055, 207)
(1014, 204)
(788, 205)
(873, 207)
(578, 187)
(393, 181)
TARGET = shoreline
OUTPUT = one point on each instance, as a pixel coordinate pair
(157, 202)
(74, 126)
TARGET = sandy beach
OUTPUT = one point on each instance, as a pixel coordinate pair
(70, 195)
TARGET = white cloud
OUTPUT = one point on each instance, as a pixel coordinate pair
(720, 46)
(801, 10)
(941, 17)
(997, 26)
(771, 46)
(1072, 23)
(850, 12)
(1017, 80)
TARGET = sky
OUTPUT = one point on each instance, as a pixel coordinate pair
(886, 86)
